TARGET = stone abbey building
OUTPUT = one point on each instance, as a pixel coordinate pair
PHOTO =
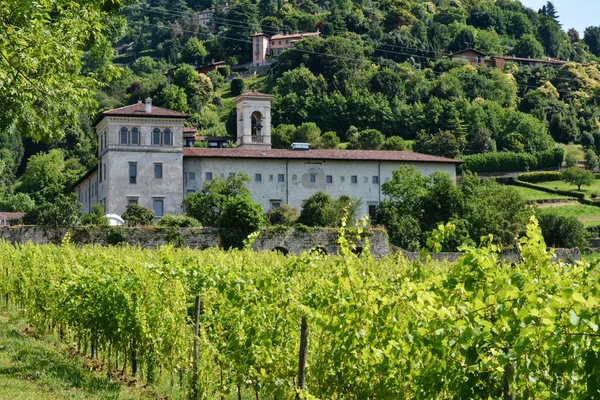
(144, 159)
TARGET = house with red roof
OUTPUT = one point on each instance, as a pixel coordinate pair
(146, 156)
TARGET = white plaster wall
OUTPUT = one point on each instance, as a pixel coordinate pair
(245, 108)
(297, 185)
(86, 187)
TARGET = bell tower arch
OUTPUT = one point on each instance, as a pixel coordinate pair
(254, 120)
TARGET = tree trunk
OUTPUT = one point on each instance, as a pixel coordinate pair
(302, 354)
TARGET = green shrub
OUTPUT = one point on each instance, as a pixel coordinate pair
(96, 217)
(216, 79)
(284, 215)
(136, 214)
(546, 176)
(508, 161)
(225, 71)
(566, 232)
(179, 221)
(116, 235)
(238, 85)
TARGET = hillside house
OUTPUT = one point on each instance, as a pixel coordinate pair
(10, 218)
(265, 47)
(144, 157)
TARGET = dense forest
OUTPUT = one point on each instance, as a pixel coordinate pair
(379, 77)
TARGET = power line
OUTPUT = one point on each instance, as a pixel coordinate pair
(244, 24)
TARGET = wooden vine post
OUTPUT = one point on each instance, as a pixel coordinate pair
(302, 355)
(197, 306)
(508, 373)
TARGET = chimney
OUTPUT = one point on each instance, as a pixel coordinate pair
(148, 108)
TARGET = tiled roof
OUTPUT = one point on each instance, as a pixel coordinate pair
(342, 155)
(536, 60)
(139, 110)
(11, 216)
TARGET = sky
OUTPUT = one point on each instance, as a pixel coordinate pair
(578, 14)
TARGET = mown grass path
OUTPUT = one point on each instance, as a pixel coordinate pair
(33, 368)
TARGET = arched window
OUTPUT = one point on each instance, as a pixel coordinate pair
(156, 137)
(123, 136)
(135, 136)
(257, 123)
(167, 137)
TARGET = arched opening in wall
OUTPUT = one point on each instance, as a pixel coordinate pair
(318, 251)
(281, 250)
(358, 250)
(257, 126)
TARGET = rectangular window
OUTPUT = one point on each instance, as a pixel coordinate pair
(375, 179)
(167, 137)
(192, 176)
(190, 191)
(313, 178)
(258, 177)
(158, 206)
(275, 204)
(354, 179)
(280, 178)
(132, 200)
(100, 172)
(124, 136)
(133, 173)
(135, 136)
(270, 178)
(104, 171)
(158, 171)
(156, 137)
(209, 176)
(329, 179)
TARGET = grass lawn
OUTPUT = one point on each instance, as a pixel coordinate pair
(576, 148)
(561, 185)
(589, 215)
(532, 194)
(260, 85)
(33, 368)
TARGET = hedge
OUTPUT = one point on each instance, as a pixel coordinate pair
(579, 196)
(545, 176)
(509, 161)
(237, 86)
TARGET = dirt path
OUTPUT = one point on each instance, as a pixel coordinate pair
(561, 204)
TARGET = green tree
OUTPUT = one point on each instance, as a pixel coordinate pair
(591, 37)
(565, 232)
(208, 204)
(528, 46)
(282, 136)
(136, 214)
(172, 97)
(194, 51)
(240, 217)
(283, 215)
(316, 210)
(578, 177)
(96, 217)
(369, 139)
(571, 159)
(41, 55)
(308, 132)
(591, 160)
(238, 86)
(330, 140)
(18, 202)
(44, 177)
(63, 211)
(395, 143)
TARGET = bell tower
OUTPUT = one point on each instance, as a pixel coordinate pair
(253, 120)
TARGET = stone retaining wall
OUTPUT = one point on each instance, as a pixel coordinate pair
(292, 240)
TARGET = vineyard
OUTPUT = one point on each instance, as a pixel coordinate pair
(242, 324)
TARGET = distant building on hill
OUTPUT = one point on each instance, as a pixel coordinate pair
(479, 59)
(212, 66)
(264, 47)
(144, 157)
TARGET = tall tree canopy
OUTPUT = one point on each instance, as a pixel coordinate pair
(41, 49)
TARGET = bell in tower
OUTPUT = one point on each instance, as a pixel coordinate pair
(254, 120)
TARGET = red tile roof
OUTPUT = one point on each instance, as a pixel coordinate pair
(139, 110)
(362, 155)
(294, 35)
